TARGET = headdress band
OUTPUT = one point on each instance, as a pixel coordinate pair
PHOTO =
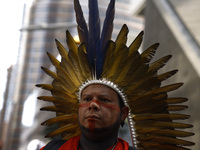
(103, 82)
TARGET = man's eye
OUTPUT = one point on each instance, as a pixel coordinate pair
(87, 99)
(104, 100)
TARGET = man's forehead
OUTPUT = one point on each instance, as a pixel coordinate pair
(98, 88)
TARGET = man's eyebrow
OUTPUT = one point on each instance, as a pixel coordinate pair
(86, 95)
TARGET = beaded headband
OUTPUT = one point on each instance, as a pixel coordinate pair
(104, 82)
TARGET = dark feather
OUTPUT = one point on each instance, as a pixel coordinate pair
(82, 26)
(94, 32)
(105, 37)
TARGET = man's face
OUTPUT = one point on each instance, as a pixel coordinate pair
(99, 107)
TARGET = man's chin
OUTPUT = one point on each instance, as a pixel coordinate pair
(97, 130)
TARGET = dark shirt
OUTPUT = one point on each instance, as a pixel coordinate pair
(56, 144)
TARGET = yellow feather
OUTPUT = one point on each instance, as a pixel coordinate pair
(163, 132)
(168, 140)
(166, 88)
(122, 36)
(60, 86)
(109, 58)
(47, 87)
(148, 54)
(59, 119)
(62, 95)
(133, 48)
(83, 61)
(71, 43)
(161, 124)
(73, 60)
(158, 64)
(176, 100)
(176, 107)
(119, 59)
(52, 108)
(67, 136)
(46, 98)
(66, 128)
(50, 73)
(67, 82)
(159, 117)
(68, 68)
(167, 75)
(63, 52)
(53, 60)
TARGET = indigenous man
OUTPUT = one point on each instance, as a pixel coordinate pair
(100, 82)
(101, 112)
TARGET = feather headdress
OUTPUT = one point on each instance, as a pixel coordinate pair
(100, 60)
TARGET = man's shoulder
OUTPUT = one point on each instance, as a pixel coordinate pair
(54, 145)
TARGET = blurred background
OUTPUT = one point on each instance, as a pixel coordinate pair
(29, 28)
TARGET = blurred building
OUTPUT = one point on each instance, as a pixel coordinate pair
(175, 24)
(45, 20)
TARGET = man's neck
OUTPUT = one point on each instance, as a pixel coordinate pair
(97, 143)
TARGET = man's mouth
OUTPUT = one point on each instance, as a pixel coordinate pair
(95, 117)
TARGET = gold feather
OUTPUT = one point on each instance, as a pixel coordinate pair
(176, 100)
(52, 108)
(163, 132)
(58, 85)
(109, 57)
(70, 71)
(119, 59)
(161, 124)
(46, 98)
(66, 128)
(158, 117)
(73, 60)
(167, 75)
(63, 95)
(65, 77)
(71, 43)
(167, 88)
(50, 73)
(67, 136)
(148, 54)
(154, 67)
(133, 48)
(176, 107)
(168, 140)
(53, 60)
(47, 87)
(59, 119)
(63, 52)
(122, 36)
(83, 61)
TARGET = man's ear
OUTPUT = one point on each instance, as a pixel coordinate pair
(125, 111)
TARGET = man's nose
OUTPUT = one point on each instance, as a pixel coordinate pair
(94, 105)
